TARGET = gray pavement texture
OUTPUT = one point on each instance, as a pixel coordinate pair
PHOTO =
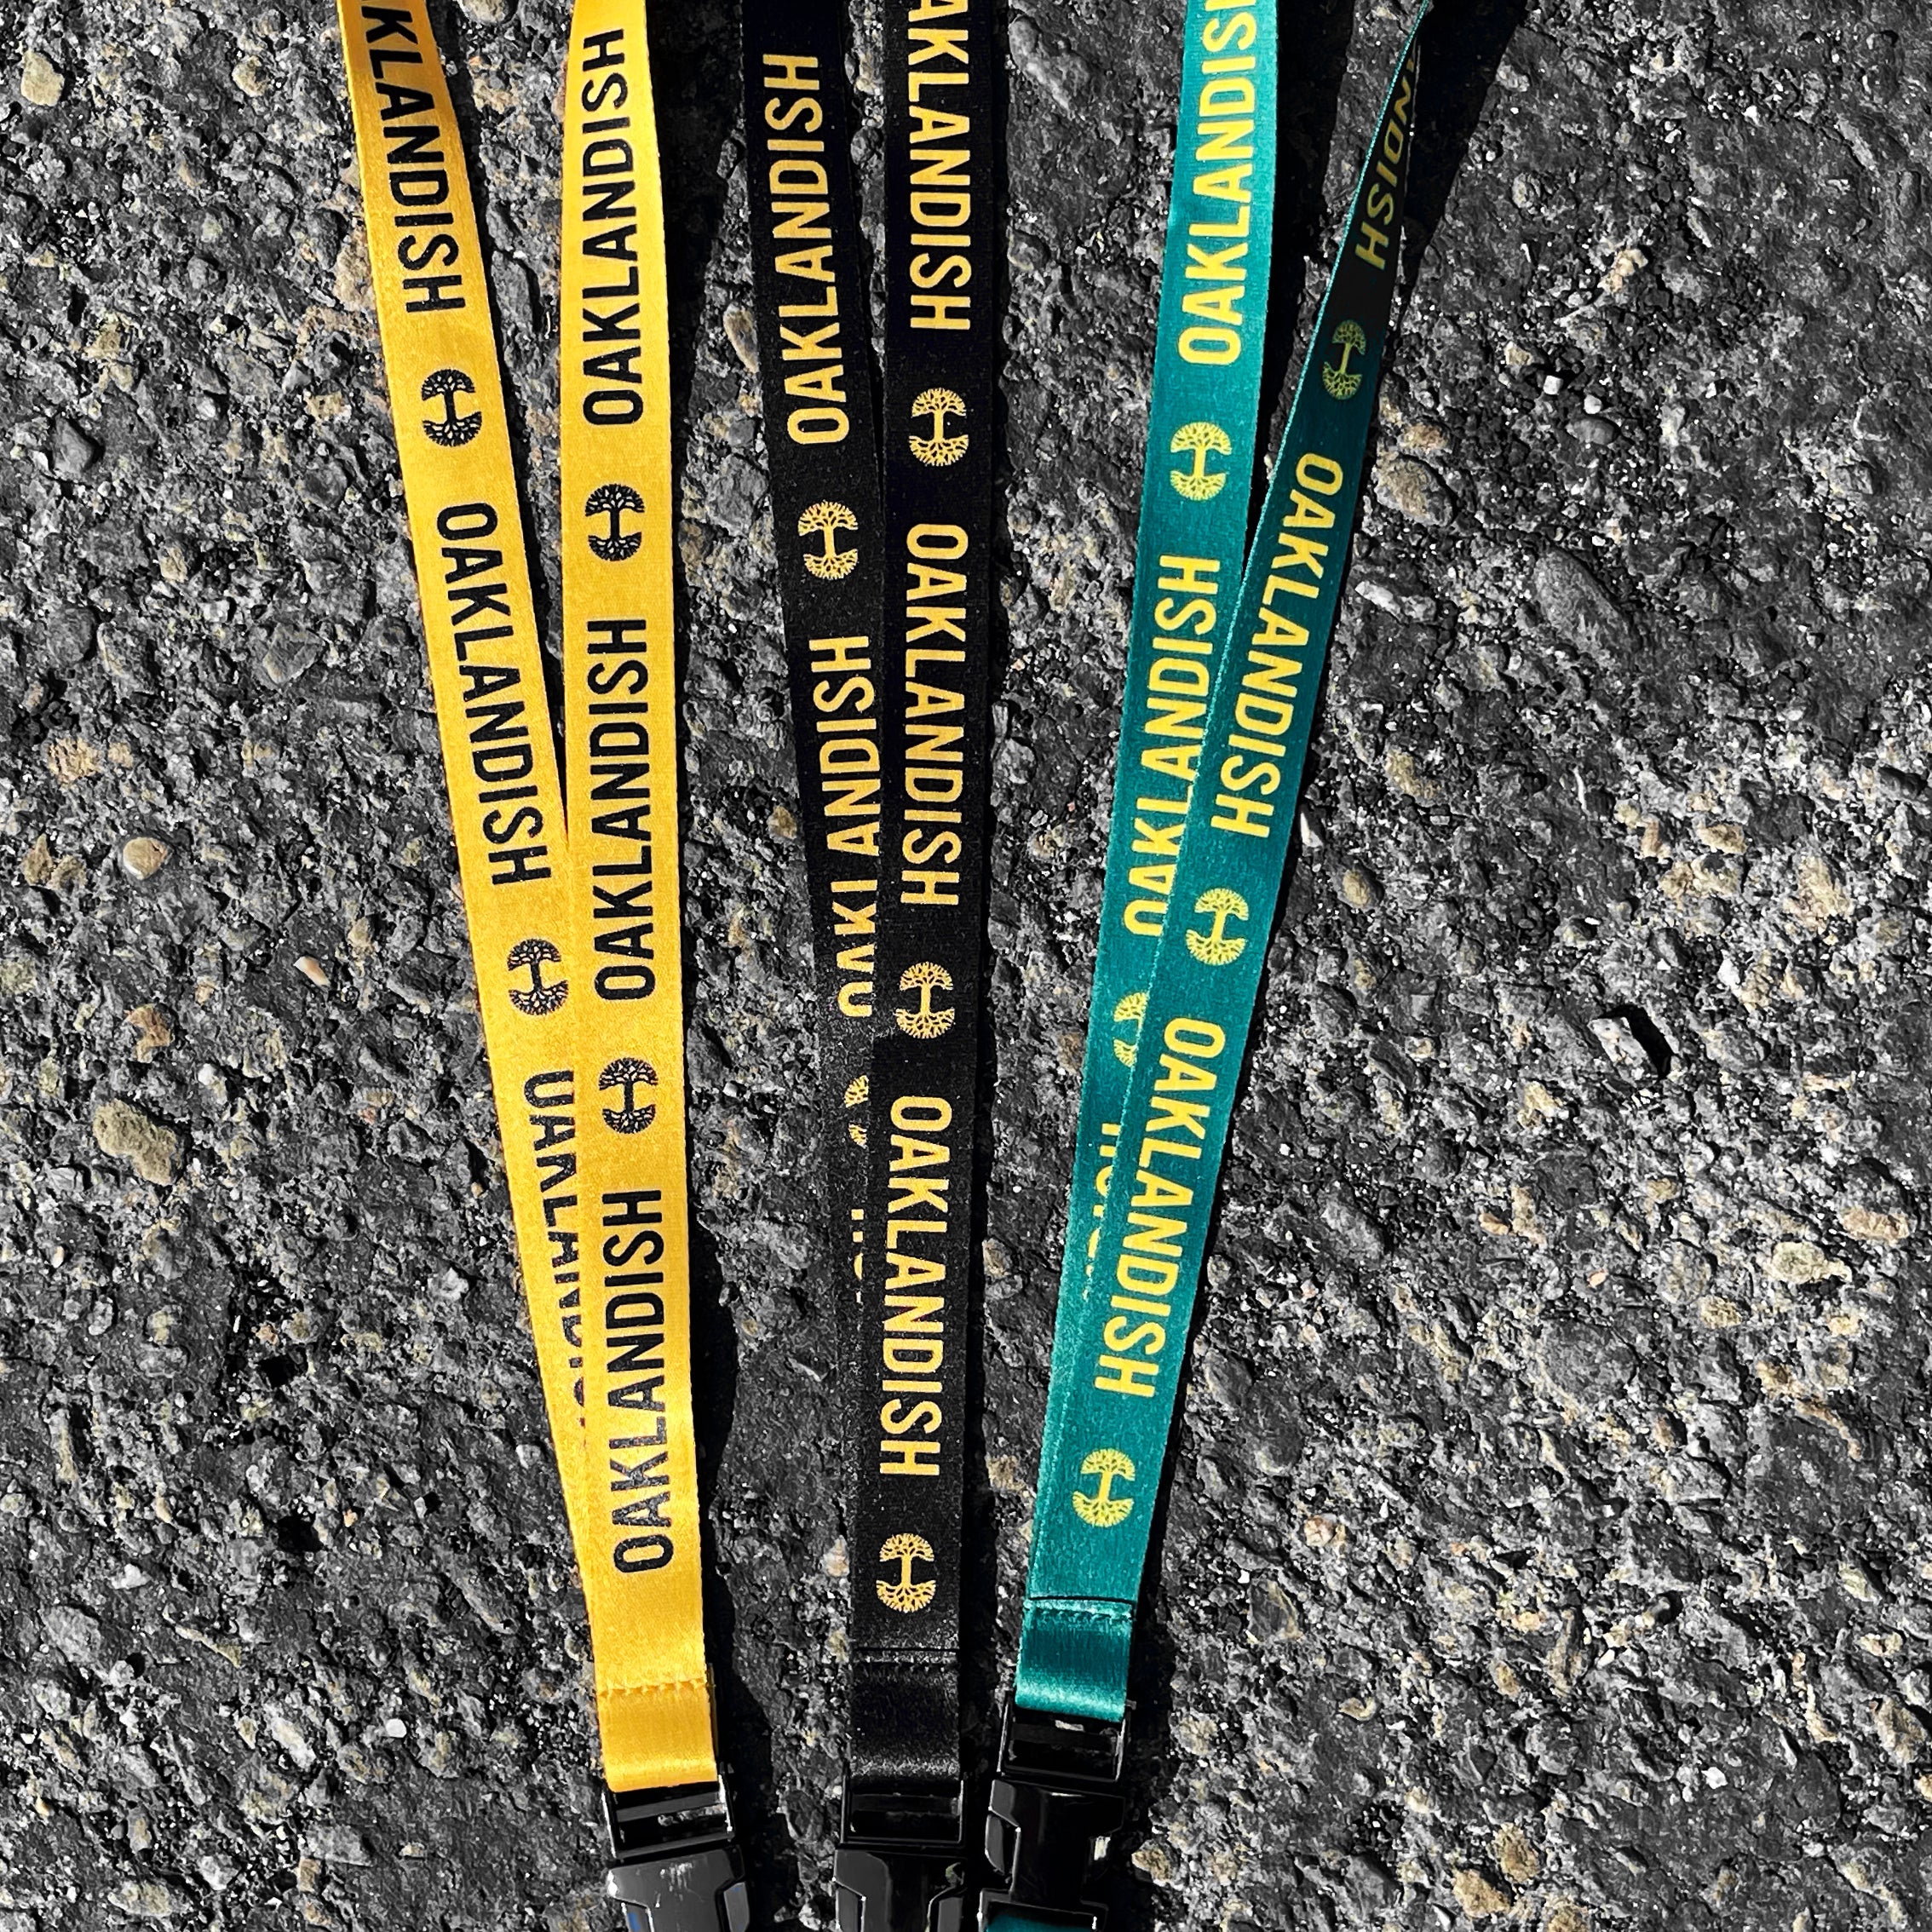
(1548, 1542)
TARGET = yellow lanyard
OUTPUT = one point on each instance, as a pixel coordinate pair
(574, 936)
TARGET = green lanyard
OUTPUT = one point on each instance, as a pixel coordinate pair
(1138, 1217)
(1202, 433)
(1124, 1312)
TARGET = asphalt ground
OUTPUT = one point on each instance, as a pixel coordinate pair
(1547, 1540)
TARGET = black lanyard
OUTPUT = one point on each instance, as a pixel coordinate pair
(885, 578)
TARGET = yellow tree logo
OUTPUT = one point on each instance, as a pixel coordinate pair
(1129, 1006)
(1102, 1508)
(1214, 947)
(938, 449)
(1337, 377)
(1198, 441)
(856, 1094)
(902, 1591)
(825, 521)
(925, 1022)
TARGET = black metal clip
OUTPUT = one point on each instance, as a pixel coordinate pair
(900, 1865)
(1055, 1801)
(675, 1862)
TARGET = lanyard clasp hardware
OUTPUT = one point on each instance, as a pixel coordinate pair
(1055, 1801)
(900, 1865)
(675, 1862)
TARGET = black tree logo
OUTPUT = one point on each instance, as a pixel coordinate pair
(614, 544)
(451, 430)
(540, 996)
(631, 1115)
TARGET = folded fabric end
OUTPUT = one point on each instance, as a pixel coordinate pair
(657, 1736)
(1073, 1657)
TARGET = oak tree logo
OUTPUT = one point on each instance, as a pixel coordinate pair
(626, 1076)
(615, 543)
(540, 996)
(452, 430)
(902, 1591)
(1199, 441)
(1129, 1006)
(1102, 1508)
(1341, 381)
(938, 449)
(824, 520)
(856, 1094)
(1214, 947)
(925, 1022)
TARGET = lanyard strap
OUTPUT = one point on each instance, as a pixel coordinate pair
(828, 518)
(643, 1577)
(1121, 1335)
(1202, 431)
(942, 334)
(574, 938)
(886, 586)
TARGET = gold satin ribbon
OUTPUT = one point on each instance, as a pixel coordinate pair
(574, 936)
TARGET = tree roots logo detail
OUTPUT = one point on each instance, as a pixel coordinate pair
(615, 543)
(540, 996)
(925, 1022)
(938, 449)
(904, 1592)
(1129, 1006)
(452, 430)
(1341, 381)
(631, 1115)
(1214, 947)
(1102, 1508)
(1198, 441)
(856, 1096)
(825, 521)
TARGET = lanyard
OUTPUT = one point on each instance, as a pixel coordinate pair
(1202, 432)
(1130, 1284)
(574, 934)
(885, 575)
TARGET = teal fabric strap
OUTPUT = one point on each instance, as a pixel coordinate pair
(1202, 432)
(1128, 1287)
